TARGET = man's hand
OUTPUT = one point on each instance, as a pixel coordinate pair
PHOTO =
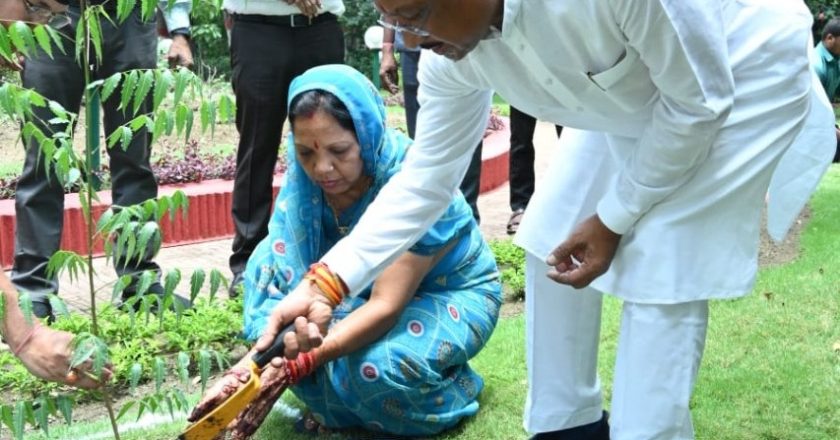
(388, 70)
(308, 8)
(180, 53)
(585, 255)
(47, 355)
(311, 312)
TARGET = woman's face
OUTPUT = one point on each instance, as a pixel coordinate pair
(329, 154)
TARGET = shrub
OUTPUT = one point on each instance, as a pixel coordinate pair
(358, 16)
(511, 261)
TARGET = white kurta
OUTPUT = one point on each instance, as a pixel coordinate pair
(697, 101)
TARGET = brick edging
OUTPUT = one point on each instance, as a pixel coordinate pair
(210, 205)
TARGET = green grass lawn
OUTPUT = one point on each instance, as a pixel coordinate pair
(771, 369)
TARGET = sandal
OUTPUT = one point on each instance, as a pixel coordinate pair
(515, 219)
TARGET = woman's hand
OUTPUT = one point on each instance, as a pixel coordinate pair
(273, 382)
(225, 387)
(311, 312)
(46, 353)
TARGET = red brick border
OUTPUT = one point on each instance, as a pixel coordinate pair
(210, 203)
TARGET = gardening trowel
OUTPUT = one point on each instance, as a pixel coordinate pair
(214, 422)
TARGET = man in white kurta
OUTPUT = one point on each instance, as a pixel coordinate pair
(683, 113)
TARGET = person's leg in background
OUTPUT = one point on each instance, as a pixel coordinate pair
(471, 185)
(265, 58)
(659, 352)
(39, 197)
(130, 45)
(521, 164)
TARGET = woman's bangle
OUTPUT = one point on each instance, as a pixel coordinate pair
(331, 286)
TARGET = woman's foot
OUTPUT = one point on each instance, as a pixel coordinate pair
(307, 425)
(515, 219)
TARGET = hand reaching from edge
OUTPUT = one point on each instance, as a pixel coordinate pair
(46, 353)
(585, 255)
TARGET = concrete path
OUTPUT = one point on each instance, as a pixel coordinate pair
(493, 205)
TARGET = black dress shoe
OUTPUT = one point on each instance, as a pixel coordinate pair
(236, 285)
(43, 310)
(599, 430)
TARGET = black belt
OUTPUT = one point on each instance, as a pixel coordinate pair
(294, 20)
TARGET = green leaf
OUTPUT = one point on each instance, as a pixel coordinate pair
(145, 281)
(161, 206)
(147, 8)
(127, 91)
(182, 80)
(43, 39)
(21, 36)
(203, 367)
(6, 51)
(208, 115)
(160, 125)
(227, 108)
(125, 137)
(42, 415)
(196, 282)
(95, 30)
(25, 304)
(58, 306)
(221, 362)
(160, 373)
(143, 87)
(6, 410)
(119, 286)
(56, 38)
(148, 231)
(65, 406)
(183, 367)
(19, 417)
(216, 280)
(124, 8)
(109, 86)
(163, 80)
(173, 277)
(125, 408)
(80, 42)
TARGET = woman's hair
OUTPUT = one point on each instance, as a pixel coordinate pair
(310, 101)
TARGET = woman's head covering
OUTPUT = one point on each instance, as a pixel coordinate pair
(295, 235)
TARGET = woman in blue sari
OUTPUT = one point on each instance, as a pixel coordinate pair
(396, 357)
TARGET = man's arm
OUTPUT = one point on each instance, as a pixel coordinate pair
(684, 46)
(451, 121)
(177, 17)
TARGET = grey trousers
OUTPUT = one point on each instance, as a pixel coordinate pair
(39, 202)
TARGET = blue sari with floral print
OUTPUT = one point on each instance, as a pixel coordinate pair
(414, 380)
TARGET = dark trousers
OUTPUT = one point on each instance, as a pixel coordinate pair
(521, 156)
(39, 202)
(265, 57)
(471, 185)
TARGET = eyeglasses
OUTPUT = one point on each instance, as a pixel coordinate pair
(416, 29)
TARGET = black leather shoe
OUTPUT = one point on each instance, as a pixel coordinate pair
(43, 310)
(154, 289)
(236, 285)
(599, 430)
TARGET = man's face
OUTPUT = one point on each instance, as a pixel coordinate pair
(832, 43)
(454, 26)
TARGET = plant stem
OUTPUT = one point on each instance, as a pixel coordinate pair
(90, 185)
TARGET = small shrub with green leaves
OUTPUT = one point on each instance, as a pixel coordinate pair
(511, 261)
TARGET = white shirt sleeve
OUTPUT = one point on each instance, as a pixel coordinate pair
(177, 15)
(452, 118)
(683, 44)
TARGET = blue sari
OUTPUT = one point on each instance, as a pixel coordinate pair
(414, 380)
